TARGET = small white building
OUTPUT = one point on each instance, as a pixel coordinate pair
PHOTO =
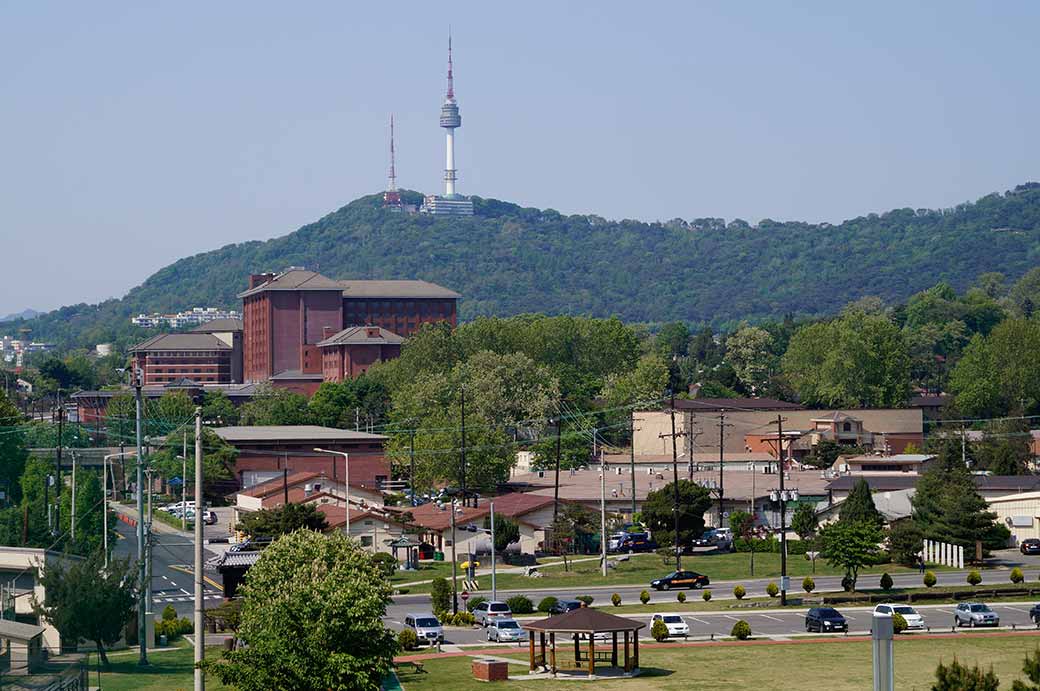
(1020, 513)
(20, 571)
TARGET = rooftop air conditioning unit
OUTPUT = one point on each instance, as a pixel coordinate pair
(317, 486)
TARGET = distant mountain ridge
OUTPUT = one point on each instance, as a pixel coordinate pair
(509, 259)
(24, 314)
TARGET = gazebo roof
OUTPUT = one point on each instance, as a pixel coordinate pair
(584, 620)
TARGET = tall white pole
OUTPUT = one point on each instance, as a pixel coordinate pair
(449, 182)
(72, 515)
(494, 585)
(881, 634)
(603, 512)
(200, 631)
(184, 485)
(346, 478)
(104, 510)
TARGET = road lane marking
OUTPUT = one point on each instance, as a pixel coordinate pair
(185, 591)
(1018, 609)
(766, 616)
(701, 620)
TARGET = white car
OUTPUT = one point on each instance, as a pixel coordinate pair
(677, 626)
(913, 619)
(176, 506)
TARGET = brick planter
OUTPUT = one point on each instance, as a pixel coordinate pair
(490, 670)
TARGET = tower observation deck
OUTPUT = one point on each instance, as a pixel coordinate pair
(450, 203)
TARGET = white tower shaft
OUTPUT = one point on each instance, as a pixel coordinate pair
(449, 163)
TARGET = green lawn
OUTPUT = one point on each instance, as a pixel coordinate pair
(168, 670)
(835, 666)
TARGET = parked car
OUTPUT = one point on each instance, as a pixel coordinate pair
(252, 544)
(1030, 545)
(564, 605)
(975, 614)
(632, 542)
(487, 612)
(825, 620)
(505, 629)
(677, 626)
(719, 538)
(426, 626)
(177, 506)
(1034, 614)
(680, 579)
(913, 619)
(209, 517)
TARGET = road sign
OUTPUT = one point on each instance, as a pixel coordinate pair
(465, 595)
(785, 583)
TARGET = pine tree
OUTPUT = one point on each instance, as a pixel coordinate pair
(1031, 668)
(958, 677)
(859, 506)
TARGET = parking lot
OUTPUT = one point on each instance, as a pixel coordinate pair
(771, 623)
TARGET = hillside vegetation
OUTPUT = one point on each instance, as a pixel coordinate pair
(510, 260)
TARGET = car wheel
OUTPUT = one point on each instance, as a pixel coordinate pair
(971, 623)
(956, 622)
(666, 586)
(808, 628)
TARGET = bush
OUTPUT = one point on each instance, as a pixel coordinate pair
(659, 630)
(440, 595)
(173, 628)
(741, 630)
(680, 596)
(459, 619)
(169, 613)
(546, 604)
(521, 604)
(1017, 576)
(407, 639)
(615, 600)
(898, 623)
(739, 592)
(706, 595)
(471, 604)
(385, 563)
(808, 585)
(644, 597)
(929, 579)
(974, 577)
(886, 581)
(771, 590)
(587, 599)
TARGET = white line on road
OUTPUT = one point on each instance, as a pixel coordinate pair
(700, 620)
(1019, 609)
(185, 591)
(730, 617)
(766, 616)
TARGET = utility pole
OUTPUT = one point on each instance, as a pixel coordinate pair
(72, 502)
(184, 485)
(411, 455)
(632, 458)
(494, 585)
(454, 564)
(603, 513)
(145, 586)
(675, 483)
(556, 482)
(783, 511)
(964, 450)
(722, 463)
(57, 463)
(200, 631)
(463, 464)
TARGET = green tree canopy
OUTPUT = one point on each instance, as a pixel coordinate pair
(350, 403)
(859, 505)
(658, 514)
(12, 448)
(850, 545)
(275, 406)
(283, 520)
(1000, 373)
(312, 614)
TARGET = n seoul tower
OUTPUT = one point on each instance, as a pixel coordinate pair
(450, 119)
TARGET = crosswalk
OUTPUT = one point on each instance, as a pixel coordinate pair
(184, 598)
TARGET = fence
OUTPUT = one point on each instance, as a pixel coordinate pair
(944, 554)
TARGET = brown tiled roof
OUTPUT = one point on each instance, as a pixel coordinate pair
(359, 335)
(291, 433)
(181, 341)
(300, 279)
(584, 620)
(277, 484)
(294, 279)
(430, 517)
(218, 325)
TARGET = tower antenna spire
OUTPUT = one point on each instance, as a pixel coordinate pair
(451, 79)
(392, 198)
(393, 172)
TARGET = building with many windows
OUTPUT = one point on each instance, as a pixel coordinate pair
(200, 357)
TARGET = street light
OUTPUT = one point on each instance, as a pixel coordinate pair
(346, 477)
(104, 493)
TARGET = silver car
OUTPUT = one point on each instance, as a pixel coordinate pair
(505, 630)
(426, 626)
(487, 612)
(975, 614)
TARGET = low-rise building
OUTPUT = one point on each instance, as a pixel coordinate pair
(20, 570)
(202, 358)
(904, 463)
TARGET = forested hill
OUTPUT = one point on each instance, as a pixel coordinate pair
(508, 260)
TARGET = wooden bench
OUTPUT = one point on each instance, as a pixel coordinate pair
(417, 667)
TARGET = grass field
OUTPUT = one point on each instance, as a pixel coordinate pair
(168, 670)
(835, 666)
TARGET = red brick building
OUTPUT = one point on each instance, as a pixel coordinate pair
(286, 316)
(353, 350)
(201, 357)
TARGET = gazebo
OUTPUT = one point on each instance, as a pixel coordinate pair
(585, 623)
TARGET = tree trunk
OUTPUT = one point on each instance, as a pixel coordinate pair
(101, 654)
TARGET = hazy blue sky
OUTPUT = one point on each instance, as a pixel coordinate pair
(135, 134)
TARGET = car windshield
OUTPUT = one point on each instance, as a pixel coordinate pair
(499, 607)
(905, 610)
(427, 622)
(673, 574)
(980, 608)
(509, 624)
(829, 612)
(673, 620)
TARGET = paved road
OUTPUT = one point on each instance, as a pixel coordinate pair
(777, 624)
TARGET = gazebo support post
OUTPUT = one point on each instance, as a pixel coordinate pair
(552, 652)
(613, 650)
(635, 650)
(530, 639)
(626, 652)
(577, 652)
(592, 654)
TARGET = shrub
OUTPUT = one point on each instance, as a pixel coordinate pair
(741, 630)
(169, 613)
(644, 597)
(587, 599)
(440, 595)
(520, 604)
(1016, 575)
(739, 592)
(706, 595)
(471, 604)
(808, 585)
(546, 604)
(886, 581)
(173, 628)
(929, 579)
(898, 623)
(407, 639)
(385, 563)
(957, 676)
(659, 630)
(615, 600)
(459, 619)
(771, 590)
(680, 596)
(974, 577)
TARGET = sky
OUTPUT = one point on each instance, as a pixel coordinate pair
(134, 134)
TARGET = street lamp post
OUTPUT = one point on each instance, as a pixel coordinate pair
(104, 493)
(346, 478)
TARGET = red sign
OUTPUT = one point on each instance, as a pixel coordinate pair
(465, 595)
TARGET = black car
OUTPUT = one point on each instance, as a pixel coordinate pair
(564, 606)
(825, 620)
(680, 579)
(633, 542)
(1034, 614)
(1030, 546)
